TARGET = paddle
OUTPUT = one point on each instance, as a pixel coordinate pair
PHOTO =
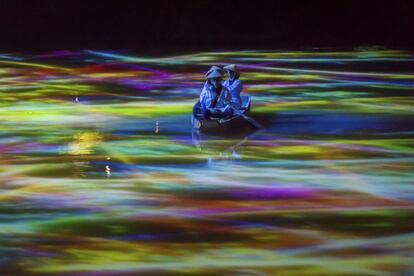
(250, 120)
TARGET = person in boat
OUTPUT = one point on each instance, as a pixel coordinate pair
(213, 68)
(215, 99)
(233, 84)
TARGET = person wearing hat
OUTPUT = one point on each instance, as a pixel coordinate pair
(215, 98)
(213, 68)
(233, 84)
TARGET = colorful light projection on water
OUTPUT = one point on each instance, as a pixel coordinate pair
(102, 175)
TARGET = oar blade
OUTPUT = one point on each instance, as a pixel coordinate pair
(252, 121)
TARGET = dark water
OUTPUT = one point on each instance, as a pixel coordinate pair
(102, 175)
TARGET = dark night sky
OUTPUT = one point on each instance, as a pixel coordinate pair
(195, 25)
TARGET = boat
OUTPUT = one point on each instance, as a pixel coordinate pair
(238, 120)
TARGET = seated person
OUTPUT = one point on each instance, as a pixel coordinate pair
(233, 84)
(213, 68)
(215, 99)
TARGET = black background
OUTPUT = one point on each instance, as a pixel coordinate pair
(203, 25)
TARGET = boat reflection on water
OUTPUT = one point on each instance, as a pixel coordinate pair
(223, 143)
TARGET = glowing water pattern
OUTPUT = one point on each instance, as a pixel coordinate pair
(101, 175)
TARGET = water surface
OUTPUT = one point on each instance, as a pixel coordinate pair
(100, 173)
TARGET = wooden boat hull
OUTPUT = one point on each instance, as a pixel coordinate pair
(234, 123)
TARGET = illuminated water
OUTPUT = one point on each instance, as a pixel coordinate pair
(101, 175)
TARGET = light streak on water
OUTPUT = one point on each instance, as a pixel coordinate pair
(100, 173)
